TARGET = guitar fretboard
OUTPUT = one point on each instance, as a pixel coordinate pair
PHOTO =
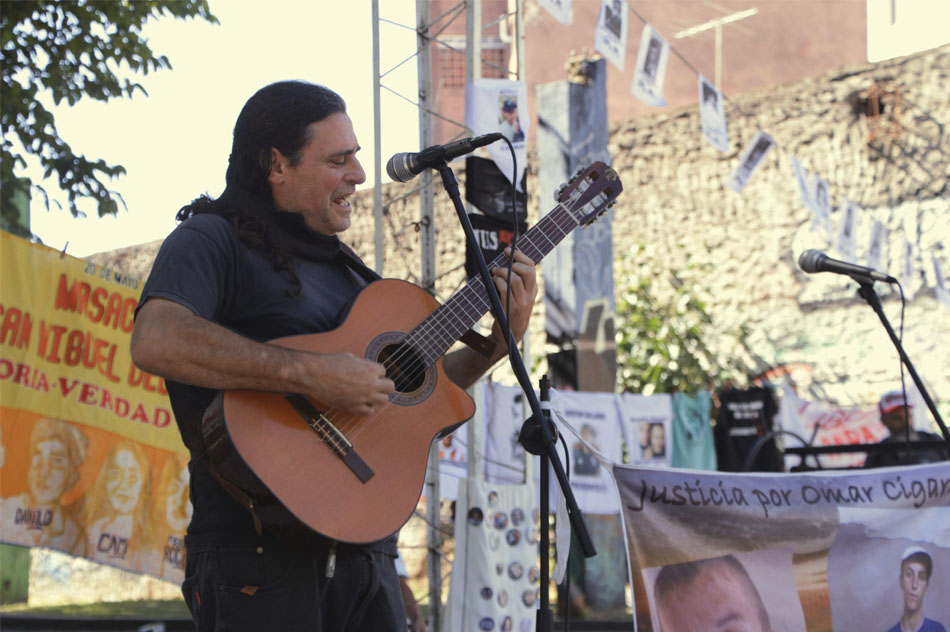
(433, 337)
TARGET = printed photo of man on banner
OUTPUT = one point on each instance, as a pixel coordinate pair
(610, 36)
(712, 115)
(846, 243)
(650, 72)
(559, 9)
(752, 156)
(500, 105)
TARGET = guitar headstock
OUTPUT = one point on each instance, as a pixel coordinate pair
(590, 192)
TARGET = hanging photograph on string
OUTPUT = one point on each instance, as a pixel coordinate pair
(801, 176)
(610, 37)
(751, 158)
(908, 276)
(559, 9)
(650, 73)
(500, 105)
(876, 246)
(821, 207)
(846, 243)
(940, 285)
(712, 115)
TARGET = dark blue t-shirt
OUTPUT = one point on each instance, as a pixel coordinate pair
(929, 625)
(204, 266)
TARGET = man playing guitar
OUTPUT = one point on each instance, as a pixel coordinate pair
(260, 262)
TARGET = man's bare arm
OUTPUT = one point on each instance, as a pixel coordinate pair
(170, 341)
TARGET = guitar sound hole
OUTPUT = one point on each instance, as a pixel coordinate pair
(404, 367)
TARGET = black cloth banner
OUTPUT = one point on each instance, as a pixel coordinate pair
(487, 188)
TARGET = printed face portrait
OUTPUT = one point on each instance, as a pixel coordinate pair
(56, 452)
(49, 471)
(652, 57)
(914, 583)
(710, 97)
(177, 505)
(657, 439)
(643, 435)
(709, 596)
(123, 481)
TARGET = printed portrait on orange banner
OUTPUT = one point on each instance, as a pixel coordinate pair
(37, 516)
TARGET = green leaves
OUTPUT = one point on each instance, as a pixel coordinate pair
(666, 339)
(68, 50)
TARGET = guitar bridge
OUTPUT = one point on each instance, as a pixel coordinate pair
(331, 435)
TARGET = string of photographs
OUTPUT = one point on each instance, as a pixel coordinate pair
(610, 39)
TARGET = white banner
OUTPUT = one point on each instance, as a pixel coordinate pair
(504, 416)
(610, 37)
(559, 9)
(846, 243)
(751, 158)
(500, 105)
(787, 552)
(650, 72)
(495, 576)
(712, 115)
(647, 428)
(594, 419)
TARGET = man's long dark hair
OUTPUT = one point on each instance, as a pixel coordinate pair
(277, 116)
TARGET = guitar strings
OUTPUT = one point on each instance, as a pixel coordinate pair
(439, 322)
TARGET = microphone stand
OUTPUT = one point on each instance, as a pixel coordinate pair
(867, 292)
(547, 446)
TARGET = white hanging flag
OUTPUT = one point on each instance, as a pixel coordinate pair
(712, 115)
(594, 421)
(846, 244)
(801, 176)
(648, 427)
(560, 9)
(821, 206)
(610, 38)
(751, 157)
(876, 247)
(943, 295)
(504, 415)
(908, 274)
(500, 105)
(650, 73)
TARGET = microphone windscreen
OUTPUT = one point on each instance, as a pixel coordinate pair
(398, 168)
(808, 260)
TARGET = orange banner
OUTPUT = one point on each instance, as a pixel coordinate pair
(92, 462)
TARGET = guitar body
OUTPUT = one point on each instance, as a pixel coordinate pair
(303, 473)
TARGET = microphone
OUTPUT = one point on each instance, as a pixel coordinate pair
(816, 261)
(405, 166)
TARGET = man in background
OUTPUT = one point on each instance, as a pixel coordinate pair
(895, 415)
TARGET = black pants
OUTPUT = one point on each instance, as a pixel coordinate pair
(252, 589)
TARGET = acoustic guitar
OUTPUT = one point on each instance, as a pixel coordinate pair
(304, 468)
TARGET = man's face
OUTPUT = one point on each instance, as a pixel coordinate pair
(510, 115)
(49, 471)
(895, 420)
(320, 184)
(914, 582)
(714, 601)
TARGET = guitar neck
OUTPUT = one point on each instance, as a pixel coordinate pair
(433, 337)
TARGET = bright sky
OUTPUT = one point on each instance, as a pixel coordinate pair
(175, 143)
